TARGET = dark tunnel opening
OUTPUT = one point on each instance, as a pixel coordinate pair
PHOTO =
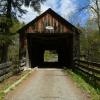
(38, 44)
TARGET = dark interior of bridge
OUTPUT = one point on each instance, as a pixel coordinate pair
(61, 43)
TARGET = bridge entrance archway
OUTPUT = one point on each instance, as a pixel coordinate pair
(49, 31)
(61, 43)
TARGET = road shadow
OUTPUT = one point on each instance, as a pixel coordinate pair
(51, 65)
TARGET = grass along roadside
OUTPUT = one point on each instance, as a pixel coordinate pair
(4, 86)
(94, 93)
(50, 56)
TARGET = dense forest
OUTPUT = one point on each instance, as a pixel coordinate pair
(90, 43)
(90, 32)
(10, 11)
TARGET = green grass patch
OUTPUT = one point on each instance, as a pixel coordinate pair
(8, 82)
(50, 56)
(86, 87)
(1, 95)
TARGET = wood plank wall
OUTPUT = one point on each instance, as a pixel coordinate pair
(47, 20)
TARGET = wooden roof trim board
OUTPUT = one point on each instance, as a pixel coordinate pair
(54, 14)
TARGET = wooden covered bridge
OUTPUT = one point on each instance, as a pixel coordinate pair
(49, 31)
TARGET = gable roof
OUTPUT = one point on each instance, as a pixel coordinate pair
(61, 19)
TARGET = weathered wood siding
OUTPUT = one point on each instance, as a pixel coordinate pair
(47, 20)
(8, 69)
(60, 27)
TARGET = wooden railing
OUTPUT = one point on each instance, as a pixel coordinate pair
(9, 68)
(5, 70)
(89, 69)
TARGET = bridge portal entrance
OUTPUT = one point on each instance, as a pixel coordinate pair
(49, 31)
(62, 44)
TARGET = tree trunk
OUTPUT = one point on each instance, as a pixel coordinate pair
(4, 55)
(8, 14)
(98, 14)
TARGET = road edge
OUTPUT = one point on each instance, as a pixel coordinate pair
(18, 81)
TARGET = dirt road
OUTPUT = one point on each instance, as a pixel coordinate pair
(47, 84)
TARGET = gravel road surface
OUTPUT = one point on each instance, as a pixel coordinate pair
(47, 84)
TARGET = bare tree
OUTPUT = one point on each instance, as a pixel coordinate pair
(93, 7)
